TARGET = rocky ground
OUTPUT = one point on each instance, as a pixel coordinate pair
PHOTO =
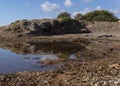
(97, 65)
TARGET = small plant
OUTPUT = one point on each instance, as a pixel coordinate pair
(65, 19)
(24, 20)
(78, 16)
(13, 23)
(64, 16)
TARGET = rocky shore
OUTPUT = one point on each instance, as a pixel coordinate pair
(97, 63)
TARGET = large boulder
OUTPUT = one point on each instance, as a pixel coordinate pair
(44, 27)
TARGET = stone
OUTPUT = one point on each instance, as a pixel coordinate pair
(44, 27)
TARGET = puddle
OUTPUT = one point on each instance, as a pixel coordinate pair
(18, 57)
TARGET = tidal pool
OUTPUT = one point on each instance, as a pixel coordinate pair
(18, 57)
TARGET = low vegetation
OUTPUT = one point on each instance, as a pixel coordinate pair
(97, 15)
(78, 16)
(13, 23)
(100, 15)
(64, 16)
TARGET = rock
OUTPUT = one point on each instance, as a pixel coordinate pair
(85, 30)
(114, 66)
(107, 35)
(45, 27)
(104, 27)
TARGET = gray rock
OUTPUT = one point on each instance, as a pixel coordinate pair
(43, 27)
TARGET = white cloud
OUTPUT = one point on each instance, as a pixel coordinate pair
(98, 8)
(75, 13)
(86, 10)
(68, 3)
(88, 0)
(48, 7)
(115, 11)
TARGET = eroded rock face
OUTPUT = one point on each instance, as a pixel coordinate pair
(43, 27)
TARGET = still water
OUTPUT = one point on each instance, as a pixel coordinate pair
(18, 57)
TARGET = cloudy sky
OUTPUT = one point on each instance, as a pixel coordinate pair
(12, 10)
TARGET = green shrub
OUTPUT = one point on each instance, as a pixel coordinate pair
(78, 16)
(24, 20)
(100, 15)
(65, 19)
(64, 16)
(15, 22)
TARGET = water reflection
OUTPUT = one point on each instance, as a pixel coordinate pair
(62, 49)
(15, 57)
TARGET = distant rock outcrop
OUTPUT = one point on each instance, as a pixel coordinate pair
(44, 27)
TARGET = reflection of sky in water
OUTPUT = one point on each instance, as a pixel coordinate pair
(12, 62)
(72, 56)
(40, 57)
(28, 55)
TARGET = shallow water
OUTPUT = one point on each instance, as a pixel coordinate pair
(18, 57)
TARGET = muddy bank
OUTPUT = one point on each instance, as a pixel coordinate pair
(97, 64)
(29, 56)
(72, 73)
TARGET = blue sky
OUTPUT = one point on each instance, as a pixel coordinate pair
(12, 10)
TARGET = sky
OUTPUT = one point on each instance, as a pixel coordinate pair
(12, 10)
